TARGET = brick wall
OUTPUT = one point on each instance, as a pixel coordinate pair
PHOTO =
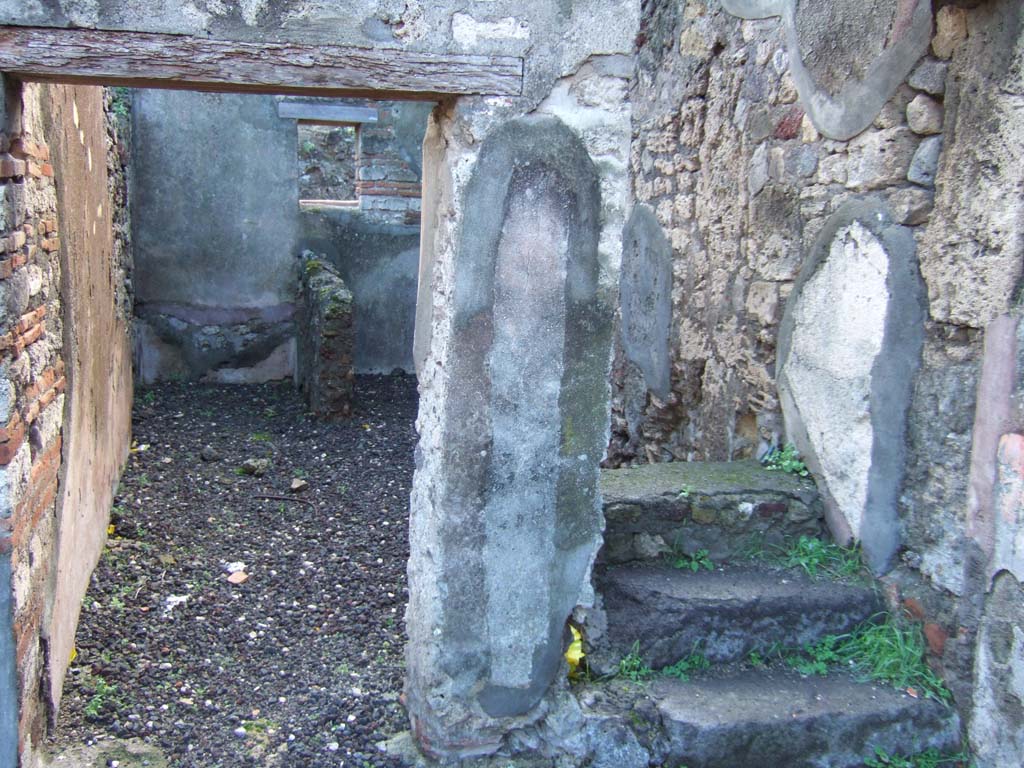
(65, 376)
(32, 383)
(387, 178)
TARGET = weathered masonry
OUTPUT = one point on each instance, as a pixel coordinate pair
(654, 232)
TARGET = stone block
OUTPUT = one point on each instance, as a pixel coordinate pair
(924, 115)
(950, 31)
(930, 77)
(645, 289)
(925, 163)
(911, 205)
(849, 345)
(880, 158)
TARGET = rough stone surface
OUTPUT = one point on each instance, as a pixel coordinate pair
(950, 31)
(934, 502)
(325, 349)
(721, 154)
(997, 722)
(879, 159)
(645, 295)
(924, 115)
(799, 722)
(723, 507)
(1008, 503)
(849, 346)
(843, 86)
(971, 250)
(724, 614)
(926, 162)
(521, 436)
(930, 77)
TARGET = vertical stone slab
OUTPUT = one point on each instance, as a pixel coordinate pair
(645, 290)
(506, 520)
(849, 346)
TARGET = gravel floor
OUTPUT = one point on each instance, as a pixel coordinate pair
(300, 663)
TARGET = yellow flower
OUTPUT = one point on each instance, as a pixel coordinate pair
(574, 653)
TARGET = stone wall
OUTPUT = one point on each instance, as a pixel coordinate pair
(59, 470)
(215, 237)
(325, 349)
(327, 162)
(750, 143)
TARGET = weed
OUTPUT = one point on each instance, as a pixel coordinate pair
(633, 667)
(300, 473)
(756, 660)
(685, 491)
(260, 725)
(682, 669)
(786, 459)
(149, 397)
(120, 102)
(890, 652)
(817, 557)
(260, 437)
(694, 562)
(930, 758)
(144, 480)
(893, 652)
(117, 603)
(270, 411)
(102, 692)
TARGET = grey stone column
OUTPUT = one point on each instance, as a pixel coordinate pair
(505, 519)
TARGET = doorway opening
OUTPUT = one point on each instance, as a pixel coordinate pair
(253, 577)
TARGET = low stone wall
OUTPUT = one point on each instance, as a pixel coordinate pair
(326, 340)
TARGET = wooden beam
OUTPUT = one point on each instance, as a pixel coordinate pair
(147, 60)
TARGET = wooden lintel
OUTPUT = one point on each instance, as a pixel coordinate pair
(148, 60)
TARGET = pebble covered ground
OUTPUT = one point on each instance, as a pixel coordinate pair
(234, 620)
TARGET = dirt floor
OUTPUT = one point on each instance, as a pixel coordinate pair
(234, 620)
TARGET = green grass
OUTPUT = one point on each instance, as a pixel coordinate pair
(682, 669)
(633, 667)
(260, 437)
(817, 558)
(786, 459)
(930, 758)
(892, 652)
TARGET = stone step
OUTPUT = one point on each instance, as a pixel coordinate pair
(769, 718)
(725, 613)
(719, 506)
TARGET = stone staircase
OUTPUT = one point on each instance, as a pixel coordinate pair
(733, 714)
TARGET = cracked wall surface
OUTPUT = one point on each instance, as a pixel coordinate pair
(736, 154)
